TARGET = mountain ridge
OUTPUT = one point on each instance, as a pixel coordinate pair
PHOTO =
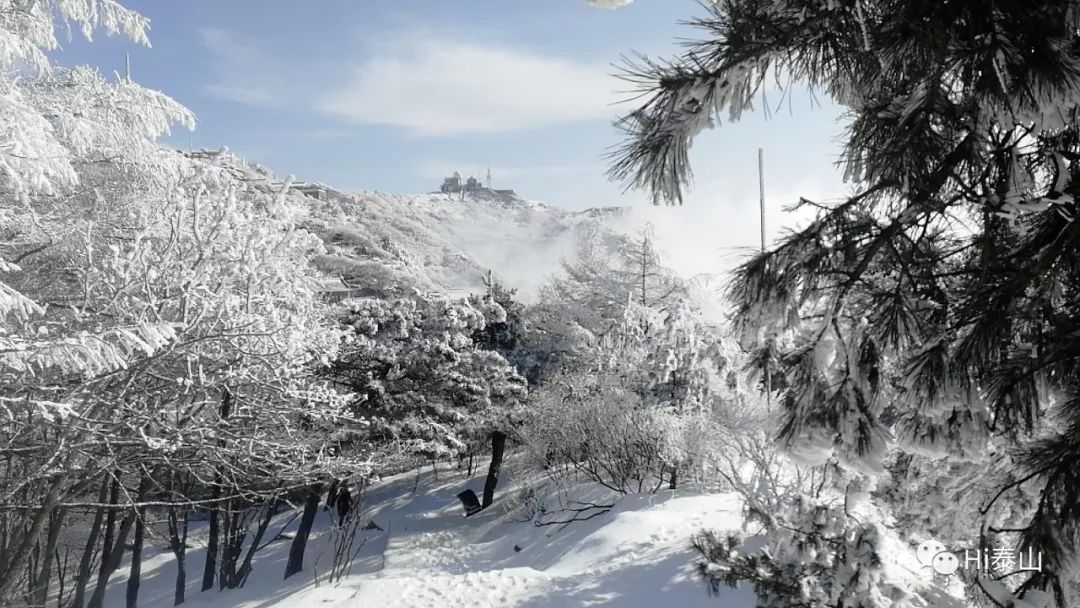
(396, 243)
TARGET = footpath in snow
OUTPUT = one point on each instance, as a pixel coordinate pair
(429, 555)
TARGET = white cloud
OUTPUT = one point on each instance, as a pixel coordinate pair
(432, 86)
(719, 226)
(242, 72)
(609, 4)
(253, 96)
(229, 45)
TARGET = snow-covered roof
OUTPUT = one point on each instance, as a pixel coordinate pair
(332, 284)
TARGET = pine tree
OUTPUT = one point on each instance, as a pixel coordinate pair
(419, 378)
(504, 319)
(934, 310)
(610, 271)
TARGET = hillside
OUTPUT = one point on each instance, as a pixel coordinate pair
(393, 243)
(420, 550)
(436, 242)
(428, 555)
(414, 548)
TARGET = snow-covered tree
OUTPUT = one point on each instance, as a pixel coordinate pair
(58, 127)
(688, 376)
(418, 376)
(157, 315)
(504, 320)
(590, 298)
(818, 556)
(932, 311)
(423, 382)
(685, 361)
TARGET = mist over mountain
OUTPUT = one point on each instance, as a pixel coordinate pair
(443, 242)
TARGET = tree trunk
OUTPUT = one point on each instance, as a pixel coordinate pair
(111, 561)
(299, 543)
(41, 585)
(178, 519)
(134, 580)
(245, 568)
(210, 567)
(233, 539)
(20, 553)
(178, 531)
(61, 575)
(180, 588)
(110, 530)
(498, 446)
(86, 562)
(674, 478)
(331, 494)
(31, 573)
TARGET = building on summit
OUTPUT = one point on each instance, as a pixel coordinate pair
(454, 185)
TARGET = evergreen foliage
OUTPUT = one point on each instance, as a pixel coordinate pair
(419, 379)
(932, 312)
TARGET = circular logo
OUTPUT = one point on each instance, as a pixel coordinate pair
(927, 550)
(946, 563)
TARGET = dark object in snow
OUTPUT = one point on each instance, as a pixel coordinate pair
(517, 549)
(343, 503)
(339, 496)
(371, 525)
(331, 494)
(470, 502)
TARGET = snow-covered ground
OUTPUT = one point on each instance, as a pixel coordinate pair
(429, 554)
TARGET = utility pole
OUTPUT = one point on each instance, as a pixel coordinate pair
(761, 201)
(761, 191)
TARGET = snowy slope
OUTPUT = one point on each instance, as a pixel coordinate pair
(429, 555)
(634, 556)
(448, 244)
(395, 243)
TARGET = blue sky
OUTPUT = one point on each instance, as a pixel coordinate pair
(391, 95)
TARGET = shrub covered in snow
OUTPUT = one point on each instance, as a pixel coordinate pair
(817, 557)
(596, 428)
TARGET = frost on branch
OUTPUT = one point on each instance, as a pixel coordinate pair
(420, 378)
(158, 317)
(817, 556)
